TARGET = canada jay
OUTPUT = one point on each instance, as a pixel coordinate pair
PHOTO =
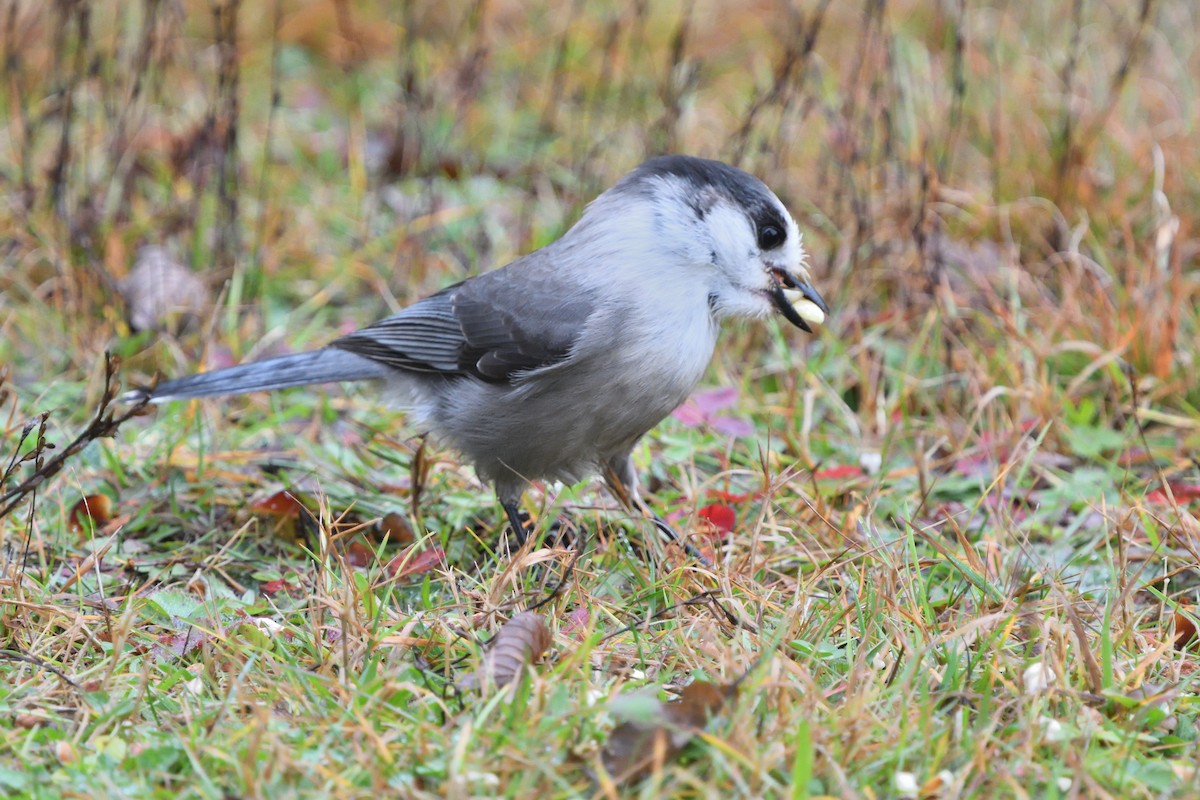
(554, 366)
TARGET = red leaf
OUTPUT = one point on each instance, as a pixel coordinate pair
(278, 585)
(1138, 455)
(839, 473)
(975, 465)
(281, 504)
(1182, 491)
(410, 563)
(720, 516)
(358, 554)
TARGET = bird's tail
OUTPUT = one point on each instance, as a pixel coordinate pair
(319, 366)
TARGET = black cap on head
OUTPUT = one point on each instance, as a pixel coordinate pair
(747, 191)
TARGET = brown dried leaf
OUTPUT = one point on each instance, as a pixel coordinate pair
(519, 641)
(638, 746)
(357, 554)
(1185, 629)
(176, 645)
(414, 563)
(280, 585)
(94, 507)
(280, 504)
(159, 290)
(394, 526)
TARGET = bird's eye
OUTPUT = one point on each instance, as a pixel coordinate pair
(770, 237)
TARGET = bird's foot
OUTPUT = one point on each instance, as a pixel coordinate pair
(522, 525)
(669, 533)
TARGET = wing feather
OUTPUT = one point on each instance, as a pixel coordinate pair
(495, 327)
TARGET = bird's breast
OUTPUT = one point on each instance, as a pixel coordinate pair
(655, 364)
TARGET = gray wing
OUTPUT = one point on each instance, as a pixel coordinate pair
(494, 327)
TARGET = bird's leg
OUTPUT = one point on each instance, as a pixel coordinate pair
(522, 524)
(513, 512)
(517, 520)
(621, 478)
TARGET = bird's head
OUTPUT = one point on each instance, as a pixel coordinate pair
(727, 223)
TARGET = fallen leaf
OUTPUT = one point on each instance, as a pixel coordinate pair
(180, 643)
(415, 563)
(731, 426)
(577, 622)
(702, 407)
(638, 746)
(279, 585)
(840, 473)
(28, 721)
(520, 641)
(394, 526)
(721, 517)
(711, 401)
(1185, 630)
(978, 464)
(357, 554)
(64, 751)
(1182, 491)
(1134, 456)
(160, 292)
(95, 509)
(281, 504)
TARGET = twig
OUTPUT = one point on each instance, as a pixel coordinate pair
(103, 424)
(704, 598)
(13, 655)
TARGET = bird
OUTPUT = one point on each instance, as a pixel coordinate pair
(555, 366)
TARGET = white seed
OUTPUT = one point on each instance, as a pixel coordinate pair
(807, 309)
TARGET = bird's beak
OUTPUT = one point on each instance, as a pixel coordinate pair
(797, 300)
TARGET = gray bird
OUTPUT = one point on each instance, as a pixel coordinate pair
(554, 366)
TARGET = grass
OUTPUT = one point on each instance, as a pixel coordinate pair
(964, 539)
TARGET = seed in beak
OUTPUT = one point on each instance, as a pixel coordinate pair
(806, 309)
